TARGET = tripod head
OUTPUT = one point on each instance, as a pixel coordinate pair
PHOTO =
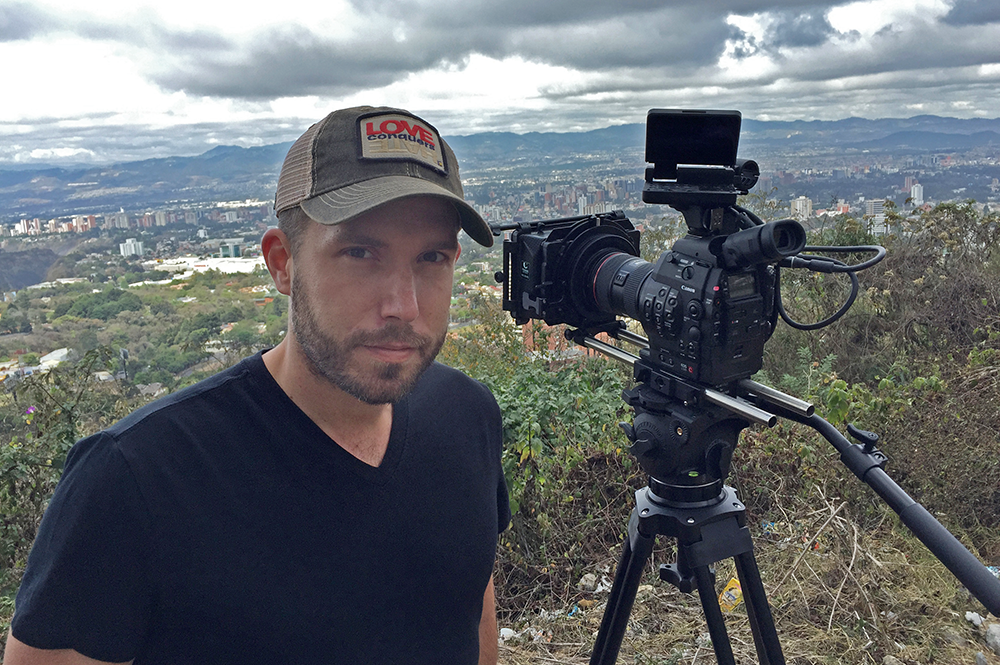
(684, 434)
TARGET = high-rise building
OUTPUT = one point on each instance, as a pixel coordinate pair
(801, 208)
(917, 194)
(131, 247)
(875, 209)
(116, 220)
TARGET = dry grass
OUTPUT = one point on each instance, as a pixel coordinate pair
(851, 600)
(846, 584)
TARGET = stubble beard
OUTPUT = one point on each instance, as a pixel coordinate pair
(330, 359)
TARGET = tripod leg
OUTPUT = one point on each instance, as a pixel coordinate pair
(635, 551)
(713, 616)
(765, 636)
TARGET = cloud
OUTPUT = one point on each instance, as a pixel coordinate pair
(21, 21)
(800, 29)
(180, 81)
(292, 61)
(973, 12)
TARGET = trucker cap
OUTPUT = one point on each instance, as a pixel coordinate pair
(357, 159)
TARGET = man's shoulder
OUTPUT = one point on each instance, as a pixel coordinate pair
(216, 393)
(447, 387)
(439, 376)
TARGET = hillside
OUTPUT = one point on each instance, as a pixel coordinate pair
(234, 173)
(20, 269)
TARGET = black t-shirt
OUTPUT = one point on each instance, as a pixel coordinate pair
(221, 525)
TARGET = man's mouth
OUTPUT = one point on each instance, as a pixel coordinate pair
(391, 353)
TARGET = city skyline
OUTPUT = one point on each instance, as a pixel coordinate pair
(116, 81)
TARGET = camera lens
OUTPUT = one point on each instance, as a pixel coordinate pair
(617, 279)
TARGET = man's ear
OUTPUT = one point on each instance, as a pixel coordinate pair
(277, 252)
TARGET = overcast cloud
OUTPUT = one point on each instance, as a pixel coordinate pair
(151, 78)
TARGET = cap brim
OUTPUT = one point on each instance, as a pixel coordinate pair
(348, 202)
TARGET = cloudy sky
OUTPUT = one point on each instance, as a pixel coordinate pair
(116, 80)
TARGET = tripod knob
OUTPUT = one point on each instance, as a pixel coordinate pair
(866, 438)
(685, 583)
(640, 447)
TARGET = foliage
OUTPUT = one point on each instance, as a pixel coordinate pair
(41, 416)
(103, 305)
(14, 320)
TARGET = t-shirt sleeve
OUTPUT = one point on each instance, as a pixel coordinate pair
(87, 584)
(503, 499)
(503, 505)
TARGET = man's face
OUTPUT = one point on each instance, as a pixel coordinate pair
(370, 297)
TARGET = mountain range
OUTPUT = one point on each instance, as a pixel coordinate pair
(235, 173)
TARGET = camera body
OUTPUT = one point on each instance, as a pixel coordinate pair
(705, 322)
(707, 306)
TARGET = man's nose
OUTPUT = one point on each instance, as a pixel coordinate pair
(399, 300)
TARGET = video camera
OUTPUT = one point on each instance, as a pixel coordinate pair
(708, 305)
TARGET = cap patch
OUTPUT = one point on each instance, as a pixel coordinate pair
(397, 136)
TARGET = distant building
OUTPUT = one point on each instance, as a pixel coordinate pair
(230, 250)
(56, 357)
(116, 220)
(917, 194)
(131, 247)
(801, 208)
(875, 209)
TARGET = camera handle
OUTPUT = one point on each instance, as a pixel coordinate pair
(707, 532)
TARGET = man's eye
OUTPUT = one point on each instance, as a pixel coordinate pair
(434, 257)
(358, 252)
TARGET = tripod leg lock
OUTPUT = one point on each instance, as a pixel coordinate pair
(686, 582)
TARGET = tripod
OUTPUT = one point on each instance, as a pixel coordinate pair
(683, 436)
(705, 534)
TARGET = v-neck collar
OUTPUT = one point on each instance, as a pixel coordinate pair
(319, 447)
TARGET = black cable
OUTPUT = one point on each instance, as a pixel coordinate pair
(824, 264)
(821, 264)
(819, 324)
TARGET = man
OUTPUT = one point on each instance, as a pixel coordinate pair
(336, 499)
